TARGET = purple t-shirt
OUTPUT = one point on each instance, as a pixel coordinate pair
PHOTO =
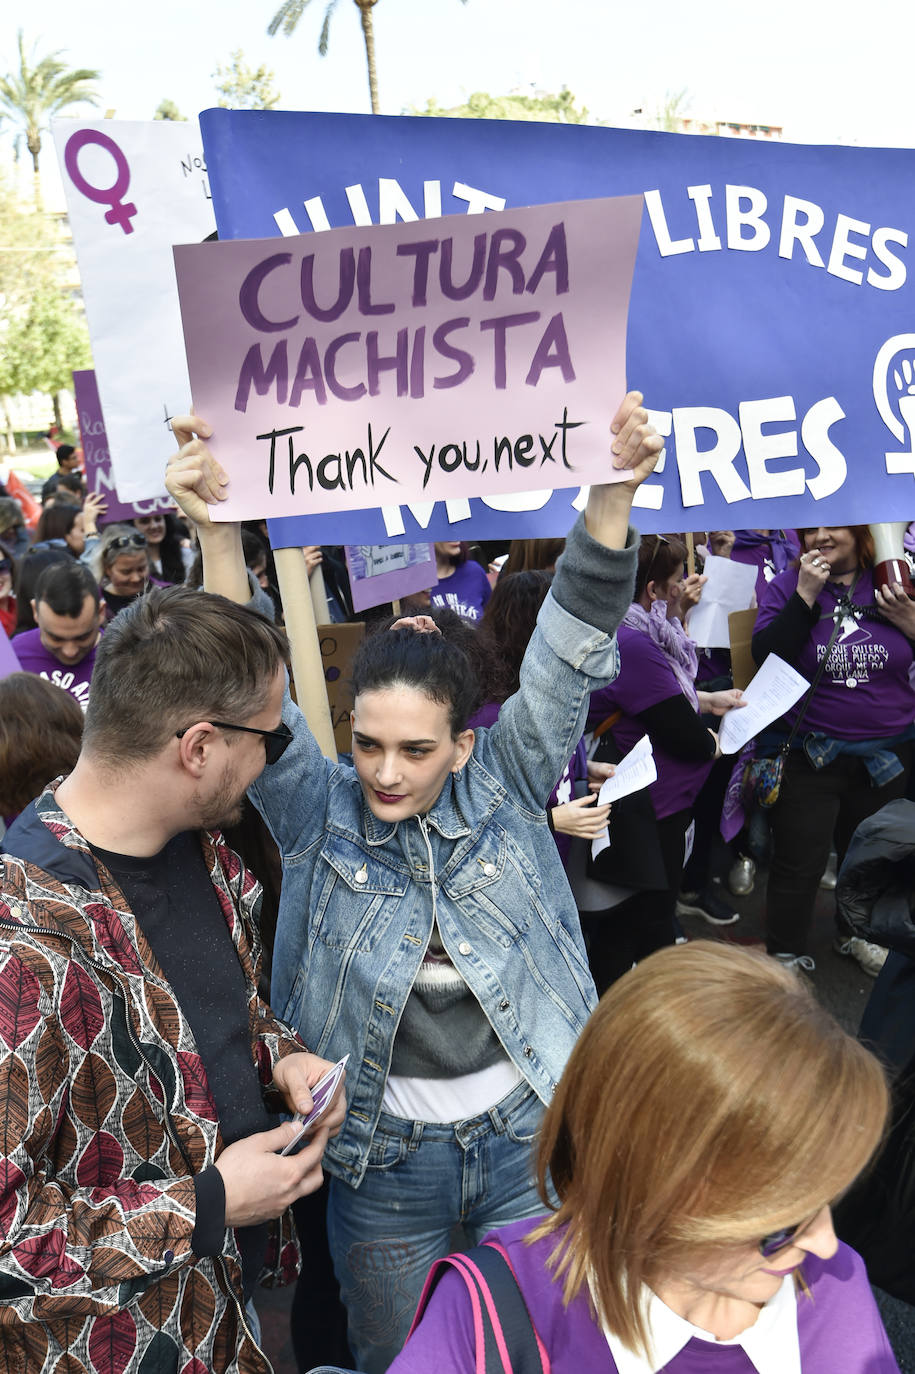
(759, 556)
(645, 678)
(576, 770)
(865, 692)
(839, 1327)
(35, 658)
(466, 591)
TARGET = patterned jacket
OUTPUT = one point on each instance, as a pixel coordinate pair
(105, 1117)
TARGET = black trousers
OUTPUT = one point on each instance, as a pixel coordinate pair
(624, 934)
(816, 808)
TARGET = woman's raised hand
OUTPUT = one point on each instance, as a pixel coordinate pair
(193, 476)
(636, 444)
(812, 575)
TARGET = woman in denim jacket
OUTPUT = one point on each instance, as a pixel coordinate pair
(426, 927)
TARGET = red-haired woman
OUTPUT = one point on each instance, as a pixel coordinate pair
(852, 752)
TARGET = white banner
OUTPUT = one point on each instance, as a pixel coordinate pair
(133, 191)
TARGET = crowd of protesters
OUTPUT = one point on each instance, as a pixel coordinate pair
(206, 914)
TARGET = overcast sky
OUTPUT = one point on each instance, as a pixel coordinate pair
(836, 72)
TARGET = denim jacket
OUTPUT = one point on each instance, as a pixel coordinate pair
(359, 894)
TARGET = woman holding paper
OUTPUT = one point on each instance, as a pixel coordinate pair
(426, 926)
(654, 695)
(852, 751)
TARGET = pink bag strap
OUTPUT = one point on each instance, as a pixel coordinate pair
(506, 1341)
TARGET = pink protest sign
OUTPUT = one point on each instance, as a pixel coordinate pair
(99, 476)
(412, 362)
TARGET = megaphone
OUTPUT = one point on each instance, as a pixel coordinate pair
(890, 563)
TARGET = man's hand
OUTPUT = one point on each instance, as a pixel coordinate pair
(260, 1183)
(193, 476)
(295, 1075)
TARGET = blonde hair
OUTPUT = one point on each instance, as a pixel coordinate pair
(709, 1101)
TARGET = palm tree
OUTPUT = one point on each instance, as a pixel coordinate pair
(40, 90)
(290, 12)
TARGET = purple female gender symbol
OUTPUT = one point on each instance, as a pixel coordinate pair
(113, 195)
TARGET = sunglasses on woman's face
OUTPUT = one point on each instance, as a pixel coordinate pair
(777, 1240)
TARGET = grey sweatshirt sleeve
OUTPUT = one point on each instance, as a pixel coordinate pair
(594, 583)
(260, 600)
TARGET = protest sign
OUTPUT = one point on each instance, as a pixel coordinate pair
(94, 439)
(367, 366)
(770, 325)
(338, 645)
(386, 572)
(9, 663)
(133, 190)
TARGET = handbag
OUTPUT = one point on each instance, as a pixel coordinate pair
(762, 779)
(506, 1338)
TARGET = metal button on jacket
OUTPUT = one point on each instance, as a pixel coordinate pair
(463, 947)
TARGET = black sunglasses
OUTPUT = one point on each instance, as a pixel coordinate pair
(127, 541)
(276, 742)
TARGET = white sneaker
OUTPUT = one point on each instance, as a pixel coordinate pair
(867, 955)
(799, 961)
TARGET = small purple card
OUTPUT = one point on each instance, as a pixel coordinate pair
(321, 1097)
(385, 572)
(99, 476)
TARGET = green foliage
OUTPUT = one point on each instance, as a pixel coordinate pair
(241, 87)
(42, 347)
(43, 334)
(556, 109)
(41, 89)
(169, 110)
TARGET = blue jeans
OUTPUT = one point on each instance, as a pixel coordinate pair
(423, 1181)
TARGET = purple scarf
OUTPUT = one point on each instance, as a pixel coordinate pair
(672, 639)
(783, 548)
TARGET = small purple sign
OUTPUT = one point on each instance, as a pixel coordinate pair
(9, 663)
(99, 476)
(385, 572)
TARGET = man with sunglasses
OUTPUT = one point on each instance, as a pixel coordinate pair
(137, 1186)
